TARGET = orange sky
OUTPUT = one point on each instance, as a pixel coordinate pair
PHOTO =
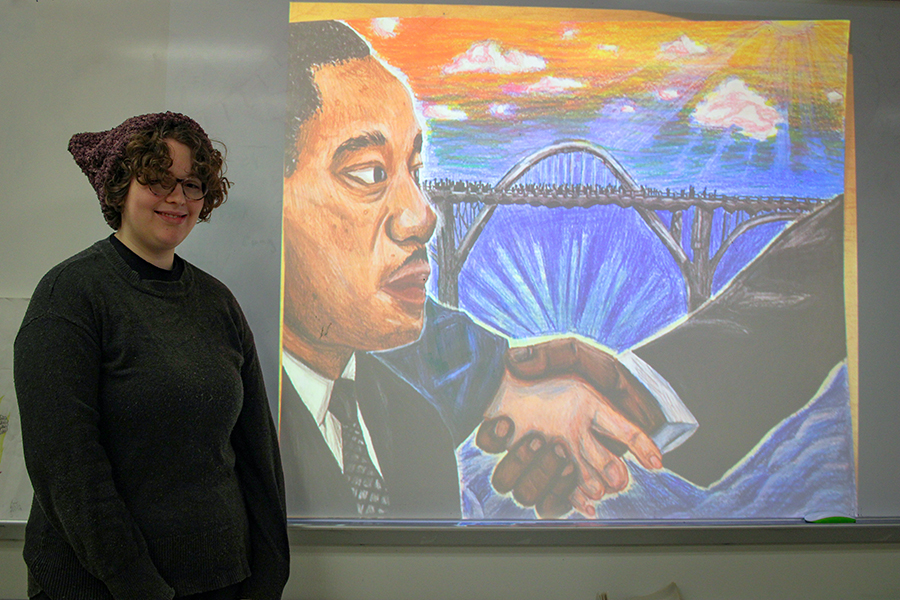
(789, 61)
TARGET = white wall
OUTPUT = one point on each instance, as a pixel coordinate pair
(701, 573)
(74, 65)
(65, 67)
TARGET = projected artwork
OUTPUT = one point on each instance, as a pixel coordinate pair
(565, 270)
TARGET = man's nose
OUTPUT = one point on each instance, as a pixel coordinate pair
(412, 218)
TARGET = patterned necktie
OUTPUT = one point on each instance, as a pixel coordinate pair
(368, 487)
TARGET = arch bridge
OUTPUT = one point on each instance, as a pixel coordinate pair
(582, 174)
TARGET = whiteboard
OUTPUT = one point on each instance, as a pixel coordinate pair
(222, 63)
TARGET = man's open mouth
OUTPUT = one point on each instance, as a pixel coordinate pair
(407, 283)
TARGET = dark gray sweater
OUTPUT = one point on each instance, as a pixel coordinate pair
(148, 437)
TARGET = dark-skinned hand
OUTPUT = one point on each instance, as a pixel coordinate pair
(566, 413)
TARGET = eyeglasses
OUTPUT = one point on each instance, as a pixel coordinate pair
(191, 187)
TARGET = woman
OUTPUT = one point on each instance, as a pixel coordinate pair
(147, 433)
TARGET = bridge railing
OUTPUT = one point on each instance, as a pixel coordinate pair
(466, 207)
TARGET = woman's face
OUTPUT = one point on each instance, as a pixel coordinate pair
(153, 226)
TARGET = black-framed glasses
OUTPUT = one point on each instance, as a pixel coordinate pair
(191, 187)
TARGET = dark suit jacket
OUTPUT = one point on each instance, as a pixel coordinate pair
(759, 350)
(413, 445)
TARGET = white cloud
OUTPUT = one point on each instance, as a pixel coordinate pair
(668, 94)
(502, 111)
(569, 34)
(834, 97)
(547, 85)
(489, 57)
(385, 26)
(442, 112)
(683, 46)
(733, 104)
(612, 48)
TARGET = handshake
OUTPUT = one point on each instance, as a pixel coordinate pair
(565, 414)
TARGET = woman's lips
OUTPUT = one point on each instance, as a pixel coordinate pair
(408, 282)
(169, 217)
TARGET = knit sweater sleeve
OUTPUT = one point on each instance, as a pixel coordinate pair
(57, 376)
(258, 465)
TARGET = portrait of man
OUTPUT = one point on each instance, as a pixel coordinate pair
(383, 387)
(356, 229)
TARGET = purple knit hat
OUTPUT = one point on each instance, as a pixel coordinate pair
(99, 153)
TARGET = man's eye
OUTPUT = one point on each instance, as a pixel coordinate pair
(415, 172)
(368, 175)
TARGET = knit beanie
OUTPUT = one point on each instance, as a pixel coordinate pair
(99, 153)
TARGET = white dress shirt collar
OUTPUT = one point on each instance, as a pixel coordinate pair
(315, 391)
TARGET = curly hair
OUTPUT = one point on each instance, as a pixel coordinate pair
(147, 159)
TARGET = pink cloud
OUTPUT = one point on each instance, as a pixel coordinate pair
(733, 104)
(668, 94)
(489, 57)
(683, 46)
(547, 85)
(442, 112)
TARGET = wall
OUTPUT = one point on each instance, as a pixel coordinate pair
(701, 573)
(80, 65)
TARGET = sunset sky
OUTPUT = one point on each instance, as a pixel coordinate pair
(747, 75)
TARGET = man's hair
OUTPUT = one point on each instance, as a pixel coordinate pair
(147, 159)
(313, 44)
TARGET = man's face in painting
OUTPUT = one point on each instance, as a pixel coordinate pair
(355, 221)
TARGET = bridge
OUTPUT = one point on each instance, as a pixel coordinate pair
(581, 174)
